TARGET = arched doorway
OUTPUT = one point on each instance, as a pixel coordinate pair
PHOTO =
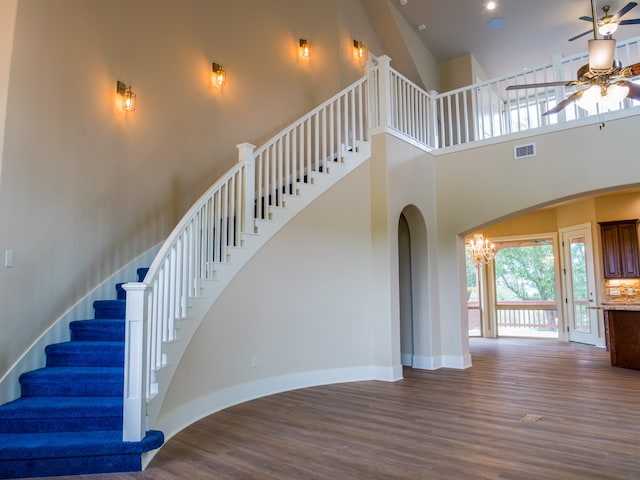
(406, 292)
(415, 338)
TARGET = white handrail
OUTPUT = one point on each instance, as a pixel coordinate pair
(308, 146)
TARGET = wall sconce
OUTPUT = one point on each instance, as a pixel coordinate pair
(305, 48)
(218, 75)
(358, 50)
(127, 96)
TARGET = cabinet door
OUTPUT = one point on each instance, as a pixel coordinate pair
(610, 251)
(628, 238)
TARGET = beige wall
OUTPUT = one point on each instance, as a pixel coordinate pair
(86, 187)
(7, 26)
(401, 43)
(303, 304)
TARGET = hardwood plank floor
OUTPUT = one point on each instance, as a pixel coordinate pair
(584, 423)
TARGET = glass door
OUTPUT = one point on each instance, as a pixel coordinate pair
(579, 283)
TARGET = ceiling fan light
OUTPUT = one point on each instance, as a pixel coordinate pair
(589, 99)
(615, 94)
(608, 29)
(601, 53)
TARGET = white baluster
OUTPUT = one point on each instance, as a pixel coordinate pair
(246, 156)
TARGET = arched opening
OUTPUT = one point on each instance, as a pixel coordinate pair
(406, 292)
(415, 337)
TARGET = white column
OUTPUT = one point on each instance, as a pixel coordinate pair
(135, 368)
(433, 120)
(379, 79)
(245, 155)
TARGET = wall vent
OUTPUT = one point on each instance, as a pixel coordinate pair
(524, 151)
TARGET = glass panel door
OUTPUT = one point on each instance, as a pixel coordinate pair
(579, 284)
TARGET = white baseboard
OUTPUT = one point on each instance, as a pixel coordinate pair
(443, 361)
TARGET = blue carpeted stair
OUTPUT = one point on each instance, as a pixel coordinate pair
(68, 420)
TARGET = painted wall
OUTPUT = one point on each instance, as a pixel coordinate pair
(7, 27)
(85, 187)
(400, 42)
(302, 307)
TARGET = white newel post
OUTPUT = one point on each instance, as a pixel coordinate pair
(379, 79)
(246, 156)
(135, 370)
(433, 122)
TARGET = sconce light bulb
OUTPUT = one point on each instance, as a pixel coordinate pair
(128, 98)
(218, 75)
(358, 49)
(305, 48)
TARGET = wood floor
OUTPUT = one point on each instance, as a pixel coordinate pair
(527, 409)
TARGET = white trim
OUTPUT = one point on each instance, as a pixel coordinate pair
(407, 359)
(442, 361)
(456, 361)
(427, 363)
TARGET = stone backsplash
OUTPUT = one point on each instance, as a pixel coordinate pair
(622, 291)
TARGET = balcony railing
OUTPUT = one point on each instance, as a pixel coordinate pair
(484, 110)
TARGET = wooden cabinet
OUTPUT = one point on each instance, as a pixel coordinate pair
(620, 249)
(623, 337)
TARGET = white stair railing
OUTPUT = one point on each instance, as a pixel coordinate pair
(207, 234)
(309, 145)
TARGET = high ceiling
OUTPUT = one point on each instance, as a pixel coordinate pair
(533, 30)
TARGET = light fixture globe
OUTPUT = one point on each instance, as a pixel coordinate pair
(608, 29)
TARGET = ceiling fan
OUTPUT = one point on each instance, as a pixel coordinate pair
(608, 24)
(604, 77)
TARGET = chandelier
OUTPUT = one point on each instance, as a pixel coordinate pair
(481, 250)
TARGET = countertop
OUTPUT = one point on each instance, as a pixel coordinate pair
(618, 306)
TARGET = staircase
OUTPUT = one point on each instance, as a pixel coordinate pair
(68, 420)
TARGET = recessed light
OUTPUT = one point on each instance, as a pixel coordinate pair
(496, 23)
(422, 27)
(403, 2)
(491, 5)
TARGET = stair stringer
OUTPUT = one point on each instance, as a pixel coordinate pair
(251, 243)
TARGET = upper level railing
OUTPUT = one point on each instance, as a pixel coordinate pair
(484, 110)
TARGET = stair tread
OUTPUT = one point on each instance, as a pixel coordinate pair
(38, 407)
(85, 344)
(103, 372)
(23, 446)
(96, 321)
